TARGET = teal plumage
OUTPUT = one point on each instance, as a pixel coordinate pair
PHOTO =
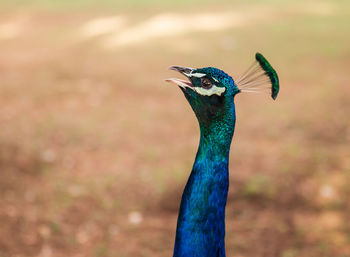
(201, 222)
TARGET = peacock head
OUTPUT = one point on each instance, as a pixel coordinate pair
(210, 92)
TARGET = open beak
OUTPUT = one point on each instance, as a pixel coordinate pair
(180, 82)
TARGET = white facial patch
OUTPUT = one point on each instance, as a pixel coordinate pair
(214, 90)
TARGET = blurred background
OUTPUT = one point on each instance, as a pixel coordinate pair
(95, 148)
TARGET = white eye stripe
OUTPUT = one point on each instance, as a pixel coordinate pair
(214, 90)
(215, 80)
(197, 75)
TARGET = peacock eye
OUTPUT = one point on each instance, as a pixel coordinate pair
(206, 83)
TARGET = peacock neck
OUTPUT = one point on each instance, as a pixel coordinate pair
(201, 221)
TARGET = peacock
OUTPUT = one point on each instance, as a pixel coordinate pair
(210, 92)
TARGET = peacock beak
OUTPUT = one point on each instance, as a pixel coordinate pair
(180, 82)
(184, 70)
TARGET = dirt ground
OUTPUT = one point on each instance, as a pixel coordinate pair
(95, 148)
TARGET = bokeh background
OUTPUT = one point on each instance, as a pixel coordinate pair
(95, 148)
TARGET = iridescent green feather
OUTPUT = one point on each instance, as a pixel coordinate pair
(270, 72)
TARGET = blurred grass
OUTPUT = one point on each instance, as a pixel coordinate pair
(66, 4)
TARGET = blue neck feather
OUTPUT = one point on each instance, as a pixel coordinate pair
(201, 222)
